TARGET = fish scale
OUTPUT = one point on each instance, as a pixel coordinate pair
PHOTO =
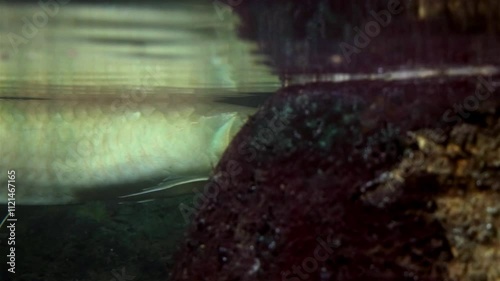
(62, 147)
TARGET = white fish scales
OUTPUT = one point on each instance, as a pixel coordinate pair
(66, 150)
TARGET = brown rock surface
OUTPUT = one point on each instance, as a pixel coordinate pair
(398, 180)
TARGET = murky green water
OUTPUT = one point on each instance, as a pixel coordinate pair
(126, 52)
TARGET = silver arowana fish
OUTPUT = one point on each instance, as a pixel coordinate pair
(68, 149)
(65, 126)
(71, 150)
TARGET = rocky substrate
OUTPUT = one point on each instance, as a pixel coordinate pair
(364, 180)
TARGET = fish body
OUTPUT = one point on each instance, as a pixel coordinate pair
(86, 104)
(70, 150)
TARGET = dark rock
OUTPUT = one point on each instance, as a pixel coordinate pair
(315, 185)
(320, 36)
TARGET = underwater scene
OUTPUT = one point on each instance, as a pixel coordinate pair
(245, 140)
